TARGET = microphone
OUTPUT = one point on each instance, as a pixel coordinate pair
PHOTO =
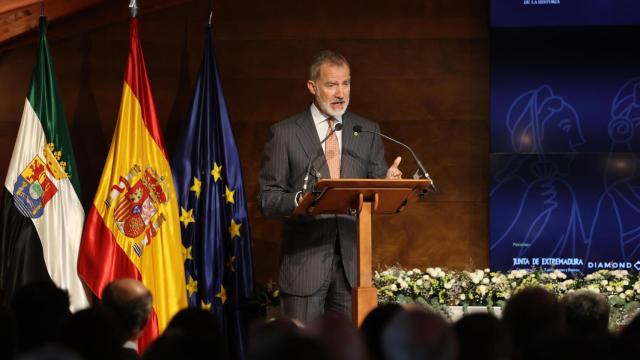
(358, 129)
(336, 127)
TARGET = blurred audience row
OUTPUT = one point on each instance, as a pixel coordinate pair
(535, 324)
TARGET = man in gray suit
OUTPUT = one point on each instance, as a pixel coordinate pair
(318, 253)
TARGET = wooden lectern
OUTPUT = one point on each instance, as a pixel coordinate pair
(363, 198)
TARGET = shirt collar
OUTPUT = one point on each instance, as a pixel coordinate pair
(319, 117)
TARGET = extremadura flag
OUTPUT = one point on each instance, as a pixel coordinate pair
(41, 215)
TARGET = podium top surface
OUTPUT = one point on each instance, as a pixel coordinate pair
(345, 196)
(372, 183)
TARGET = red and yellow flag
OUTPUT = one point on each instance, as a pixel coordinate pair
(133, 227)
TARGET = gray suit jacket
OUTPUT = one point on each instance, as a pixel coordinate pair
(308, 242)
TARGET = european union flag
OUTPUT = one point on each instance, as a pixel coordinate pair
(213, 209)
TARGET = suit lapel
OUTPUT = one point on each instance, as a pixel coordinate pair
(308, 136)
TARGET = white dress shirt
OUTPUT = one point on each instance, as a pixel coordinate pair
(322, 124)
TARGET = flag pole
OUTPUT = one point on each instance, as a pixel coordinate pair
(133, 5)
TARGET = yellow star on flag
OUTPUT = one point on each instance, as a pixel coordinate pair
(228, 194)
(231, 263)
(186, 253)
(222, 295)
(205, 306)
(192, 286)
(186, 217)
(216, 171)
(196, 187)
(234, 229)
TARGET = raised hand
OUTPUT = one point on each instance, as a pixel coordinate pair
(393, 172)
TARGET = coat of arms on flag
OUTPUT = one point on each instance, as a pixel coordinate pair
(137, 207)
(34, 186)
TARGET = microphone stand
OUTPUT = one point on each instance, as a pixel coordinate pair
(358, 129)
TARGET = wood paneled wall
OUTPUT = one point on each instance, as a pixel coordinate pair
(420, 68)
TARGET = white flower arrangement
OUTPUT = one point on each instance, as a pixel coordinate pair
(440, 289)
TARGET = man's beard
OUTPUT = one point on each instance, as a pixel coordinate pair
(325, 107)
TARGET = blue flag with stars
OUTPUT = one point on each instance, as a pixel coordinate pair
(213, 209)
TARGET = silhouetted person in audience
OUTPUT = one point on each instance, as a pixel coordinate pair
(131, 303)
(536, 321)
(175, 344)
(195, 321)
(296, 345)
(283, 338)
(587, 314)
(632, 329)
(192, 333)
(39, 309)
(626, 345)
(416, 334)
(6, 333)
(374, 324)
(339, 335)
(93, 334)
(279, 325)
(482, 337)
(263, 333)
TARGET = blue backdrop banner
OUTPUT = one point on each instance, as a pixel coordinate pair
(526, 13)
(565, 149)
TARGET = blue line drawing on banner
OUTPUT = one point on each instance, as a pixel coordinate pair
(534, 209)
(540, 121)
(615, 231)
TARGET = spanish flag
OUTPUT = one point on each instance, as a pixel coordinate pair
(132, 229)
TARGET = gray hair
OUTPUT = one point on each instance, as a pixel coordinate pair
(325, 56)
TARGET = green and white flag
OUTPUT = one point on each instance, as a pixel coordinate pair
(41, 216)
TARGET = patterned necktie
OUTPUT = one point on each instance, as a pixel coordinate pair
(332, 151)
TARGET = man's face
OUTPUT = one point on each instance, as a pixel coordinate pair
(331, 89)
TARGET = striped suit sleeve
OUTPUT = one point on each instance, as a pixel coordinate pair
(275, 195)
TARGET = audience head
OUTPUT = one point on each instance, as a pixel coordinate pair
(586, 313)
(339, 335)
(374, 324)
(39, 310)
(179, 344)
(283, 338)
(418, 334)
(131, 302)
(92, 333)
(193, 327)
(482, 337)
(534, 317)
(195, 321)
(295, 345)
(261, 331)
